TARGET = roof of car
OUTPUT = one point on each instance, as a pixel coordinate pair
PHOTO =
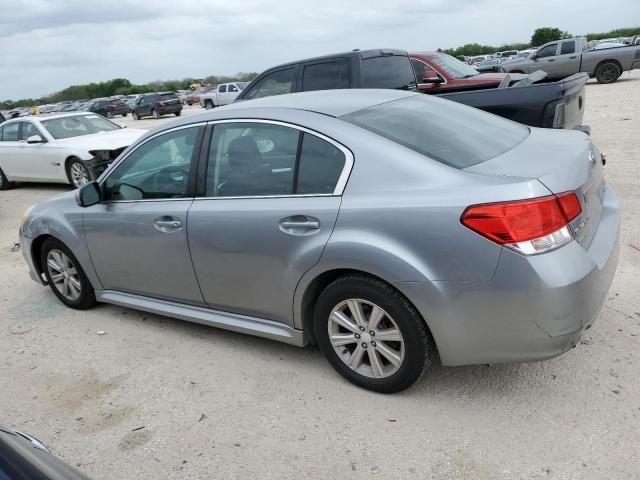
(334, 103)
(48, 116)
(362, 53)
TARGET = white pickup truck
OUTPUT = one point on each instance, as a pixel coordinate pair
(224, 94)
(563, 58)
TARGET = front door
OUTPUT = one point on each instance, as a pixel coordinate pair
(568, 60)
(137, 235)
(545, 59)
(271, 195)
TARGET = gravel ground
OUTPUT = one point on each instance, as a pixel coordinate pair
(159, 398)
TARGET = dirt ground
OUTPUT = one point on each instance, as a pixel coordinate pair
(157, 398)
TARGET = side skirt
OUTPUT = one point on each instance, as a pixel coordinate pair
(215, 318)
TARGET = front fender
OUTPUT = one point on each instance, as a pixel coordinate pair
(60, 218)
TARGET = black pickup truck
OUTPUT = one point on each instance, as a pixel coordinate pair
(548, 104)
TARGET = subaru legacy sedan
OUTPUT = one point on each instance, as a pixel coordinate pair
(386, 226)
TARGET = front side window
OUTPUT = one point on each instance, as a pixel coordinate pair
(78, 125)
(389, 71)
(420, 68)
(29, 130)
(158, 169)
(274, 83)
(432, 127)
(10, 132)
(258, 159)
(326, 76)
(548, 51)
(568, 47)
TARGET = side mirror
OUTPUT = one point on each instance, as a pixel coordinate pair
(431, 77)
(35, 139)
(88, 194)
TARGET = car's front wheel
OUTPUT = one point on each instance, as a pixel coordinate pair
(5, 184)
(65, 275)
(155, 114)
(177, 114)
(371, 334)
(208, 104)
(135, 115)
(109, 114)
(78, 173)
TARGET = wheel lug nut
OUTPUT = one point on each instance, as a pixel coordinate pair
(373, 344)
(357, 335)
(372, 333)
(364, 345)
(361, 329)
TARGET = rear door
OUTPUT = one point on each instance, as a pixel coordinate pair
(269, 195)
(568, 61)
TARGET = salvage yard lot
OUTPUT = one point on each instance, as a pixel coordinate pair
(155, 397)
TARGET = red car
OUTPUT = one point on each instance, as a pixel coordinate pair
(438, 73)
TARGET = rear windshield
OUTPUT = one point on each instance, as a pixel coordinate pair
(451, 133)
(390, 71)
(78, 125)
(168, 96)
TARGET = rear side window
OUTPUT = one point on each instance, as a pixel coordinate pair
(10, 132)
(223, 89)
(451, 133)
(321, 164)
(326, 76)
(274, 83)
(390, 71)
(568, 47)
(168, 96)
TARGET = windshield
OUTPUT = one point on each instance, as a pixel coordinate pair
(78, 125)
(455, 68)
(242, 85)
(451, 133)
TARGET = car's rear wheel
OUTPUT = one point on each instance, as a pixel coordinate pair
(135, 116)
(177, 114)
(78, 173)
(5, 184)
(65, 275)
(371, 334)
(608, 72)
(124, 114)
(155, 114)
(109, 114)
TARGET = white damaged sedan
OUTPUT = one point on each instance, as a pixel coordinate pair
(70, 148)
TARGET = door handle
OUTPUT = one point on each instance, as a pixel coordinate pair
(299, 225)
(573, 58)
(551, 60)
(167, 224)
(310, 225)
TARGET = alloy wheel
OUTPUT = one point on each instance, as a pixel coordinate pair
(366, 338)
(64, 275)
(79, 175)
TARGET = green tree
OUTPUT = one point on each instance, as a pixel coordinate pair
(547, 34)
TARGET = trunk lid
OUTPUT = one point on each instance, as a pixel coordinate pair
(563, 161)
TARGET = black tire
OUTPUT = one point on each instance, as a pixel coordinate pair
(87, 298)
(608, 72)
(109, 114)
(5, 184)
(76, 163)
(177, 114)
(417, 340)
(208, 104)
(155, 114)
(135, 116)
(124, 114)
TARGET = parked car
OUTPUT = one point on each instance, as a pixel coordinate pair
(24, 457)
(224, 94)
(440, 72)
(563, 58)
(2, 119)
(549, 105)
(51, 108)
(490, 65)
(300, 226)
(109, 107)
(191, 98)
(131, 100)
(60, 148)
(157, 105)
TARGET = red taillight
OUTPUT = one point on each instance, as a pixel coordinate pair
(524, 220)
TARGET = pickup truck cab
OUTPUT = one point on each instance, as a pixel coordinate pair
(563, 58)
(382, 68)
(224, 94)
(438, 73)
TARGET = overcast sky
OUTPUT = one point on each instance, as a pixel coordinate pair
(46, 45)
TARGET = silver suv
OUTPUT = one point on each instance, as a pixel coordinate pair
(362, 220)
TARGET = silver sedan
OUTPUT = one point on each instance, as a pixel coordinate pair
(387, 227)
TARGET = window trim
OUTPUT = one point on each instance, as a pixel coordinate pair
(342, 179)
(195, 157)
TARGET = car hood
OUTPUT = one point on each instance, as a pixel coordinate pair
(104, 140)
(492, 78)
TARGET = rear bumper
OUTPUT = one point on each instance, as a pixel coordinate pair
(535, 307)
(170, 109)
